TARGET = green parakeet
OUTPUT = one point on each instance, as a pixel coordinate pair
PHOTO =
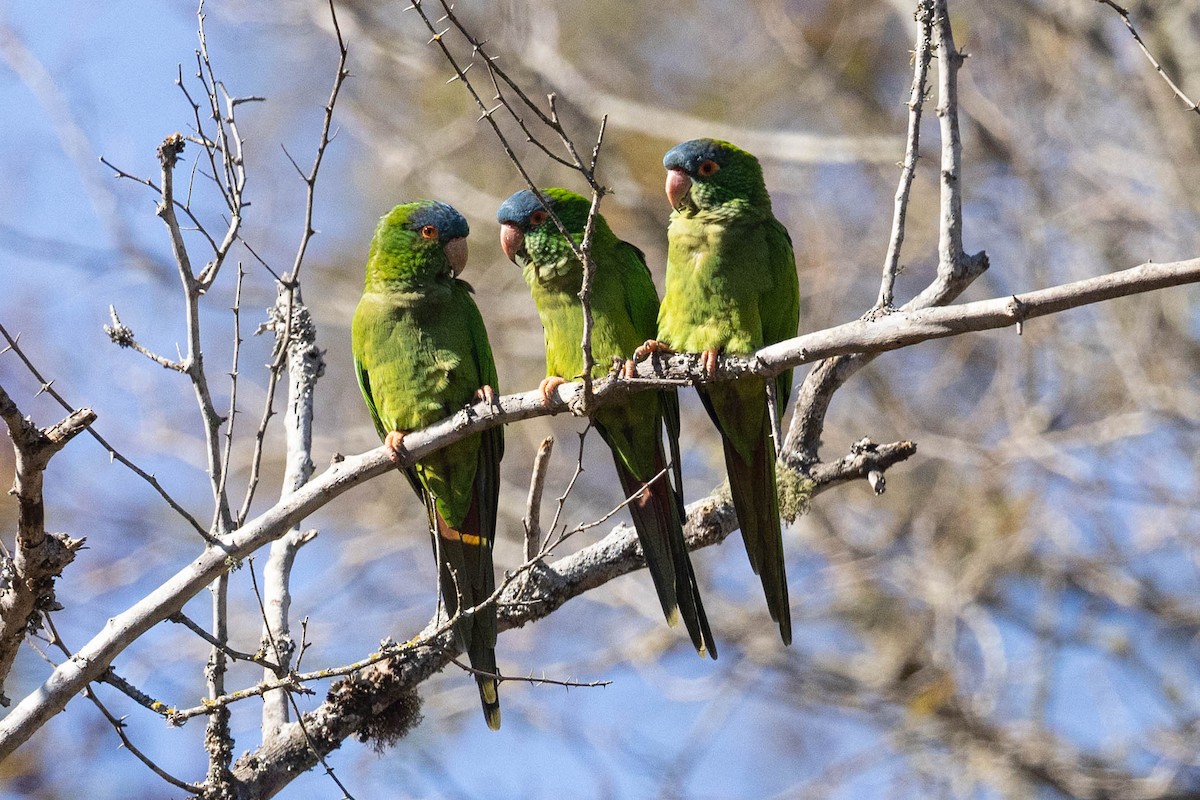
(624, 305)
(732, 288)
(421, 353)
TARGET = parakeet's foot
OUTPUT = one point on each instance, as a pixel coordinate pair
(487, 394)
(547, 387)
(394, 441)
(708, 360)
(650, 347)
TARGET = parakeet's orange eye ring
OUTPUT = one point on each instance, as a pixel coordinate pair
(429, 232)
(538, 217)
(707, 168)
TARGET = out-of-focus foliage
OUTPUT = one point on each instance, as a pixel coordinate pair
(1015, 617)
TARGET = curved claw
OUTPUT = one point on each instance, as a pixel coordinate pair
(487, 394)
(547, 387)
(394, 441)
(708, 360)
(649, 348)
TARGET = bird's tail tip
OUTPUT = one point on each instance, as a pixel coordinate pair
(490, 698)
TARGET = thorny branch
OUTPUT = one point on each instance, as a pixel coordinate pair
(893, 331)
(111, 678)
(1124, 15)
(40, 557)
(48, 388)
(581, 249)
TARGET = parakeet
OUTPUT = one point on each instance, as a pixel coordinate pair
(421, 353)
(624, 305)
(732, 288)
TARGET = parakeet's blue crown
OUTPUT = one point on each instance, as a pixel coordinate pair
(444, 217)
(517, 208)
(690, 154)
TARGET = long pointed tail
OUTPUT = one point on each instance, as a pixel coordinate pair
(657, 519)
(467, 579)
(752, 484)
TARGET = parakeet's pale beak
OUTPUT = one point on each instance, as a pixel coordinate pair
(511, 240)
(456, 254)
(678, 184)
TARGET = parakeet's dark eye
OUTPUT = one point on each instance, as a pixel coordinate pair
(707, 168)
(429, 232)
(538, 217)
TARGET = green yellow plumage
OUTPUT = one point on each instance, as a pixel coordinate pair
(624, 309)
(421, 353)
(732, 288)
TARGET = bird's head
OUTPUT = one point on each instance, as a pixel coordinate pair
(705, 174)
(425, 239)
(529, 236)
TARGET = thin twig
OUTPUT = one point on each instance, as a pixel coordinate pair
(950, 234)
(550, 120)
(533, 506)
(488, 113)
(912, 148)
(310, 179)
(47, 387)
(122, 336)
(537, 681)
(237, 655)
(1124, 14)
(181, 206)
(561, 501)
(118, 723)
(231, 416)
(168, 156)
(585, 290)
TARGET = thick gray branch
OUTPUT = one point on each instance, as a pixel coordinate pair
(354, 701)
(306, 365)
(39, 557)
(890, 332)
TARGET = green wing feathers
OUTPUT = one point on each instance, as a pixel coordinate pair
(780, 307)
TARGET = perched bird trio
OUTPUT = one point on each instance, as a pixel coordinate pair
(421, 352)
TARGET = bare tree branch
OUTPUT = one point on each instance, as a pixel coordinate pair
(305, 365)
(40, 557)
(955, 270)
(533, 506)
(113, 453)
(891, 332)
(1124, 14)
(916, 100)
